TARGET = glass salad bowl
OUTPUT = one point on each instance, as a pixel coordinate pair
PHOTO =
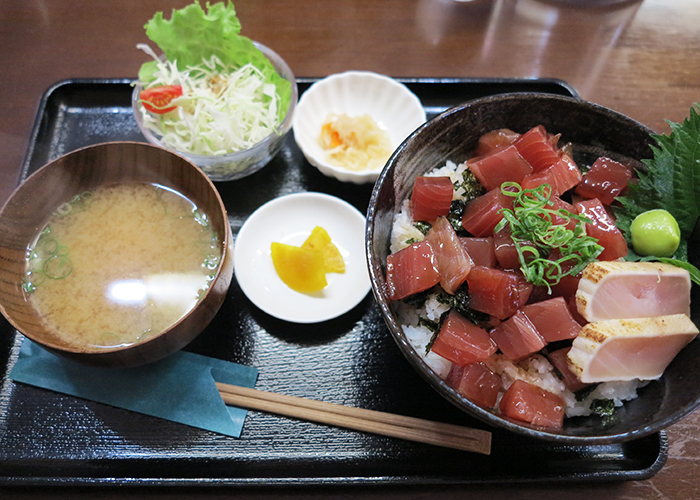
(238, 164)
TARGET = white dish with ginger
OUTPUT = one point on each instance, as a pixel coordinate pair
(390, 104)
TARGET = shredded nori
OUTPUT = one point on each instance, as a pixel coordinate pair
(423, 227)
(470, 184)
(461, 302)
(455, 217)
(429, 346)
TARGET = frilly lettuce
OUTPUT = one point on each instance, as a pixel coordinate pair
(192, 35)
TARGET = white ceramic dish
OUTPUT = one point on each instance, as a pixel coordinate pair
(391, 104)
(290, 219)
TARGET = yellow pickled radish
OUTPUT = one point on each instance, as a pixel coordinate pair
(320, 240)
(301, 269)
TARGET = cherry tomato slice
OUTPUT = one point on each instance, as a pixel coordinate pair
(157, 99)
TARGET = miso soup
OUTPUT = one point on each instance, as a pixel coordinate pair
(114, 266)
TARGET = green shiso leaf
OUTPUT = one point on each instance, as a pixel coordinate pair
(672, 179)
(192, 35)
(671, 182)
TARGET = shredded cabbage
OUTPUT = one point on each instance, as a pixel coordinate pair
(222, 110)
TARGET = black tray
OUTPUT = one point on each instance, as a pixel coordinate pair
(50, 439)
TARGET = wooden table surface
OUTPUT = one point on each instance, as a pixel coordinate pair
(639, 58)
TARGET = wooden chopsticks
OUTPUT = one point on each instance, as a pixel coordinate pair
(376, 422)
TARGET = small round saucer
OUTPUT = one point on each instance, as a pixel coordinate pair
(290, 219)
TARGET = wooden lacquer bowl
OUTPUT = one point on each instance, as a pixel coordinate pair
(30, 206)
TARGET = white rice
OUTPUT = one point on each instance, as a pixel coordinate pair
(535, 369)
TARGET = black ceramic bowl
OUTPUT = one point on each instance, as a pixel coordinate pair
(593, 131)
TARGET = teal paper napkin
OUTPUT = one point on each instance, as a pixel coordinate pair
(180, 387)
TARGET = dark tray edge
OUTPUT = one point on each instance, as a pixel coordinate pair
(321, 482)
(616, 476)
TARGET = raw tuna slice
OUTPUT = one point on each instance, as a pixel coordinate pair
(561, 176)
(528, 403)
(617, 290)
(628, 349)
(552, 319)
(462, 342)
(497, 292)
(483, 213)
(499, 166)
(605, 180)
(560, 361)
(431, 197)
(517, 337)
(453, 261)
(538, 148)
(411, 270)
(481, 250)
(477, 383)
(495, 139)
(507, 250)
(603, 228)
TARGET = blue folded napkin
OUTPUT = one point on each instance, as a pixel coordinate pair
(180, 387)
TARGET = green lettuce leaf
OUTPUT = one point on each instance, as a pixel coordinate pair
(192, 35)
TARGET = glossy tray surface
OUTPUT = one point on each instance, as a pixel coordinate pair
(48, 438)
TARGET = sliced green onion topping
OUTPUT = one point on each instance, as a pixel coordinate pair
(537, 238)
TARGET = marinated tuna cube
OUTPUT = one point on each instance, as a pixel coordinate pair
(538, 148)
(483, 213)
(462, 342)
(478, 384)
(481, 250)
(497, 292)
(603, 229)
(529, 403)
(431, 197)
(553, 319)
(495, 139)
(560, 361)
(517, 337)
(453, 261)
(561, 176)
(498, 166)
(605, 180)
(411, 270)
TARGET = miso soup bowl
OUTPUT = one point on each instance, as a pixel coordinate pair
(593, 131)
(29, 207)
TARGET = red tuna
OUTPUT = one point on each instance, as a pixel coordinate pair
(411, 270)
(481, 250)
(517, 337)
(462, 342)
(477, 383)
(561, 363)
(538, 148)
(499, 166)
(431, 197)
(605, 180)
(483, 213)
(528, 403)
(562, 176)
(603, 229)
(453, 261)
(497, 292)
(495, 139)
(553, 319)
